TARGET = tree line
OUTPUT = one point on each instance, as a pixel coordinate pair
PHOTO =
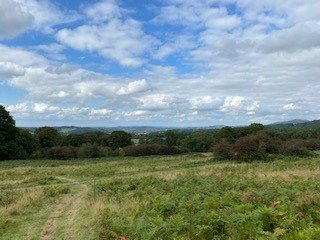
(253, 142)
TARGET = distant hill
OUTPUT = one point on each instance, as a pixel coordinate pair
(291, 122)
(131, 129)
(295, 124)
(141, 130)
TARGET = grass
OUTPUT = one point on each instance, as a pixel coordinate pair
(191, 196)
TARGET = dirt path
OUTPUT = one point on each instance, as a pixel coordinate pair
(49, 229)
(74, 200)
(77, 201)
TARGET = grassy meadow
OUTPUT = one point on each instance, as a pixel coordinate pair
(192, 196)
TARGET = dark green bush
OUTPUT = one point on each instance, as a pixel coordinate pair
(311, 144)
(248, 148)
(223, 149)
(93, 151)
(294, 148)
(152, 149)
(61, 153)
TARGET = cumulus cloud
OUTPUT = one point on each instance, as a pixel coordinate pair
(13, 19)
(103, 11)
(19, 107)
(137, 113)
(100, 112)
(19, 56)
(9, 69)
(134, 87)
(205, 103)
(42, 107)
(121, 41)
(200, 62)
(111, 34)
(156, 102)
(18, 16)
(46, 110)
(235, 104)
(290, 106)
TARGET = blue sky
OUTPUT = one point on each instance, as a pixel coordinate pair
(164, 63)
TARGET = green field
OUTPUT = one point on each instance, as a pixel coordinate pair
(192, 196)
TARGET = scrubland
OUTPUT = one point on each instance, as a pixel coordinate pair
(191, 196)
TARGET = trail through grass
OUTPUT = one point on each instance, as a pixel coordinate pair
(192, 196)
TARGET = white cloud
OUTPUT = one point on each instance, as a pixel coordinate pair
(100, 112)
(232, 103)
(137, 113)
(205, 103)
(13, 19)
(103, 11)
(253, 63)
(300, 37)
(121, 41)
(134, 87)
(238, 104)
(9, 69)
(19, 107)
(19, 56)
(111, 34)
(289, 106)
(156, 102)
(18, 16)
(42, 107)
(60, 94)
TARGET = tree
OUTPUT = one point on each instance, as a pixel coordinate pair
(228, 134)
(74, 140)
(8, 130)
(26, 140)
(198, 142)
(47, 137)
(119, 139)
(171, 138)
(8, 135)
(255, 127)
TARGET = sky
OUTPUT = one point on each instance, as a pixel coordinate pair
(159, 63)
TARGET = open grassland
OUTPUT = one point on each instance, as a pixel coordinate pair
(191, 196)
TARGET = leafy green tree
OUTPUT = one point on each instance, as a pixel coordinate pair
(171, 138)
(198, 142)
(255, 127)
(8, 130)
(47, 137)
(26, 140)
(8, 135)
(74, 140)
(228, 134)
(119, 139)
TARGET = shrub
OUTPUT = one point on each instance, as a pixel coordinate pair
(198, 142)
(122, 153)
(61, 153)
(223, 149)
(294, 148)
(151, 149)
(247, 148)
(311, 144)
(92, 151)
(181, 150)
(118, 139)
(271, 143)
(37, 154)
(47, 137)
